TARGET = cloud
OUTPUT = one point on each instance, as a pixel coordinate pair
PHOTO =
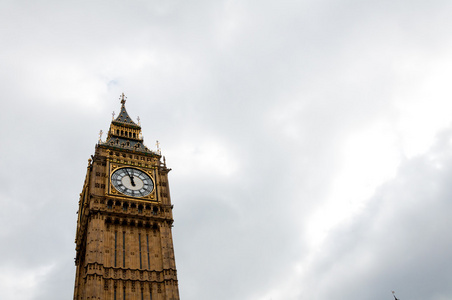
(307, 140)
(399, 240)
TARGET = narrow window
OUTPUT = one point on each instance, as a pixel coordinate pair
(124, 293)
(134, 135)
(124, 250)
(142, 294)
(150, 292)
(156, 189)
(116, 235)
(114, 294)
(147, 242)
(139, 247)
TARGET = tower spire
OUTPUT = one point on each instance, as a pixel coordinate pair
(123, 116)
(124, 133)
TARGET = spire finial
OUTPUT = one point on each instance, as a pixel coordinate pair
(123, 99)
(159, 151)
(395, 298)
(138, 118)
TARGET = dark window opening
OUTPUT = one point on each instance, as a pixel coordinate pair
(139, 248)
(116, 235)
(124, 253)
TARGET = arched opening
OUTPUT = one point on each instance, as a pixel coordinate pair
(155, 210)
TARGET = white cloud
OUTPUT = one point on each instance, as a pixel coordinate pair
(22, 284)
(209, 155)
(300, 137)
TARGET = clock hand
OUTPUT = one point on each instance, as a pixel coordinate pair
(131, 177)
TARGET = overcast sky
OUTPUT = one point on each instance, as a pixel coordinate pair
(310, 141)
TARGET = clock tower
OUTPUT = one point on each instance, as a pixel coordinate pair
(124, 245)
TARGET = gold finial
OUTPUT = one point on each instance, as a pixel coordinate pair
(113, 115)
(100, 136)
(123, 99)
(158, 147)
(138, 118)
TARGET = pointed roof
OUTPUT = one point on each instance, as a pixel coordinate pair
(123, 116)
(125, 133)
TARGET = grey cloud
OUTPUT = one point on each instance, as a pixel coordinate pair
(278, 87)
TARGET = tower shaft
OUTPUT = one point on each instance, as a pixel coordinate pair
(124, 244)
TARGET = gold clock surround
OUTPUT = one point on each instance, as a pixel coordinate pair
(112, 190)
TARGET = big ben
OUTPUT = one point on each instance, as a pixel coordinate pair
(124, 245)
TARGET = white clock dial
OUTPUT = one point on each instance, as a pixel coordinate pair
(132, 182)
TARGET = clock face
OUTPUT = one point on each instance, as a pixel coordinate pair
(132, 182)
